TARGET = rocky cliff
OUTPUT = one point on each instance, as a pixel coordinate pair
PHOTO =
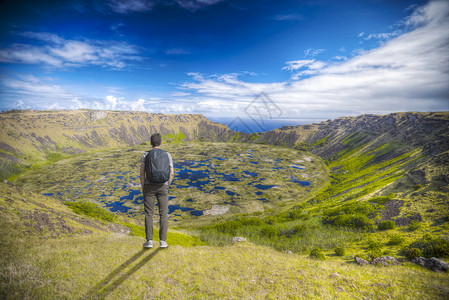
(326, 139)
(28, 137)
(405, 153)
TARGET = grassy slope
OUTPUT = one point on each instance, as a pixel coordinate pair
(115, 267)
(368, 156)
(42, 262)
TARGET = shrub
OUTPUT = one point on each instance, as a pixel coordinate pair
(432, 246)
(92, 210)
(417, 187)
(353, 221)
(375, 253)
(253, 136)
(363, 256)
(415, 225)
(54, 156)
(411, 253)
(299, 228)
(436, 247)
(270, 231)
(363, 208)
(388, 252)
(340, 251)
(317, 253)
(374, 245)
(396, 239)
(295, 214)
(386, 225)
(382, 199)
(270, 220)
(230, 227)
(251, 221)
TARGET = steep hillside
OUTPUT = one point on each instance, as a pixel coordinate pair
(428, 131)
(368, 153)
(386, 173)
(30, 137)
(42, 258)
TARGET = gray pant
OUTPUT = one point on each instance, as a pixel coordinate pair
(150, 193)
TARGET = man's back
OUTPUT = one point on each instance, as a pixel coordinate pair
(156, 175)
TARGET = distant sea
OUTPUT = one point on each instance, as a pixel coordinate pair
(261, 125)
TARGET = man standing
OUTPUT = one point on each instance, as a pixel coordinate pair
(156, 175)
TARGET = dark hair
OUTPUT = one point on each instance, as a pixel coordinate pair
(156, 139)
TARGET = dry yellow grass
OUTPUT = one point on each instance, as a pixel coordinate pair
(115, 267)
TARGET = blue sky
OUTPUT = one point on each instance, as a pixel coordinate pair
(222, 58)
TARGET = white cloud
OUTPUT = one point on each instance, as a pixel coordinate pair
(287, 17)
(194, 5)
(138, 105)
(313, 66)
(297, 64)
(383, 36)
(313, 52)
(54, 105)
(19, 53)
(75, 51)
(30, 92)
(338, 57)
(19, 104)
(77, 104)
(111, 102)
(43, 36)
(427, 14)
(29, 85)
(130, 6)
(142, 6)
(316, 65)
(180, 94)
(408, 72)
(58, 52)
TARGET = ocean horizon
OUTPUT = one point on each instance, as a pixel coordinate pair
(249, 125)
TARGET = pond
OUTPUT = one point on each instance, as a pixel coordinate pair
(213, 176)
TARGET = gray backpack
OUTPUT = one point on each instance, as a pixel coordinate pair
(157, 166)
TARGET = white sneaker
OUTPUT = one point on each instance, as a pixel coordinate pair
(148, 244)
(164, 244)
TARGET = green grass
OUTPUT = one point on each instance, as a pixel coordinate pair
(174, 137)
(8, 169)
(91, 210)
(355, 175)
(353, 139)
(299, 236)
(54, 156)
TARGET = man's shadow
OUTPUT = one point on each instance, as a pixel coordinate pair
(102, 289)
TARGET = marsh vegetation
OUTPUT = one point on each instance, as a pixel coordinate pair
(241, 177)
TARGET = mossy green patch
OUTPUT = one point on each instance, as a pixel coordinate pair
(91, 210)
